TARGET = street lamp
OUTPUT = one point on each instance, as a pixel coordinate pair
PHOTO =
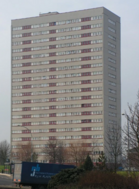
(31, 140)
(128, 137)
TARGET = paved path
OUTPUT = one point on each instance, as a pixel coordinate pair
(6, 180)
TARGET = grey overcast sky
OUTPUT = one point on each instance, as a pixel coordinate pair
(14, 9)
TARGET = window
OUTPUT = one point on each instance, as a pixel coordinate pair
(112, 76)
(26, 124)
(112, 53)
(86, 105)
(112, 83)
(26, 79)
(96, 104)
(52, 130)
(52, 61)
(112, 22)
(52, 54)
(52, 76)
(52, 99)
(112, 45)
(112, 68)
(111, 29)
(52, 39)
(16, 57)
(112, 60)
(96, 17)
(52, 138)
(26, 57)
(26, 116)
(112, 37)
(26, 64)
(112, 91)
(86, 82)
(86, 136)
(86, 35)
(52, 92)
(86, 113)
(52, 122)
(52, 31)
(85, 42)
(26, 139)
(52, 84)
(86, 27)
(17, 43)
(26, 101)
(52, 69)
(52, 115)
(86, 128)
(86, 74)
(26, 71)
(26, 109)
(17, 35)
(85, 50)
(26, 27)
(85, 19)
(86, 58)
(26, 94)
(26, 34)
(96, 57)
(52, 46)
(52, 107)
(17, 28)
(86, 145)
(39, 40)
(112, 106)
(26, 86)
(17, 50)
(112, 122)
(26, 49)
(52, 23)
(86, 66)
(86, 97)
(85, 89)
(112, 114)
(26, 42)
(112, 98)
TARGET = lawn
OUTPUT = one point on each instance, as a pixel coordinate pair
(126, 173)
(2, 167)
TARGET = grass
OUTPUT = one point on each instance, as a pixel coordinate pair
(127, 174)
(2, 167)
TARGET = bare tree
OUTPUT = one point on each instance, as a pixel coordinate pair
(78, 153)
(61, 153)
(4, 151)
(114, 146)
(131, 134)
(55, 151)
(27, 153)
(95, 150)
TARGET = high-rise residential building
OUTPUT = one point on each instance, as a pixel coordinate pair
(66, 79)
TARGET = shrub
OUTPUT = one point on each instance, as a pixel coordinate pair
(88, 164)
(107, 180)
(101, 163)
(69, 186)
(66, 176)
